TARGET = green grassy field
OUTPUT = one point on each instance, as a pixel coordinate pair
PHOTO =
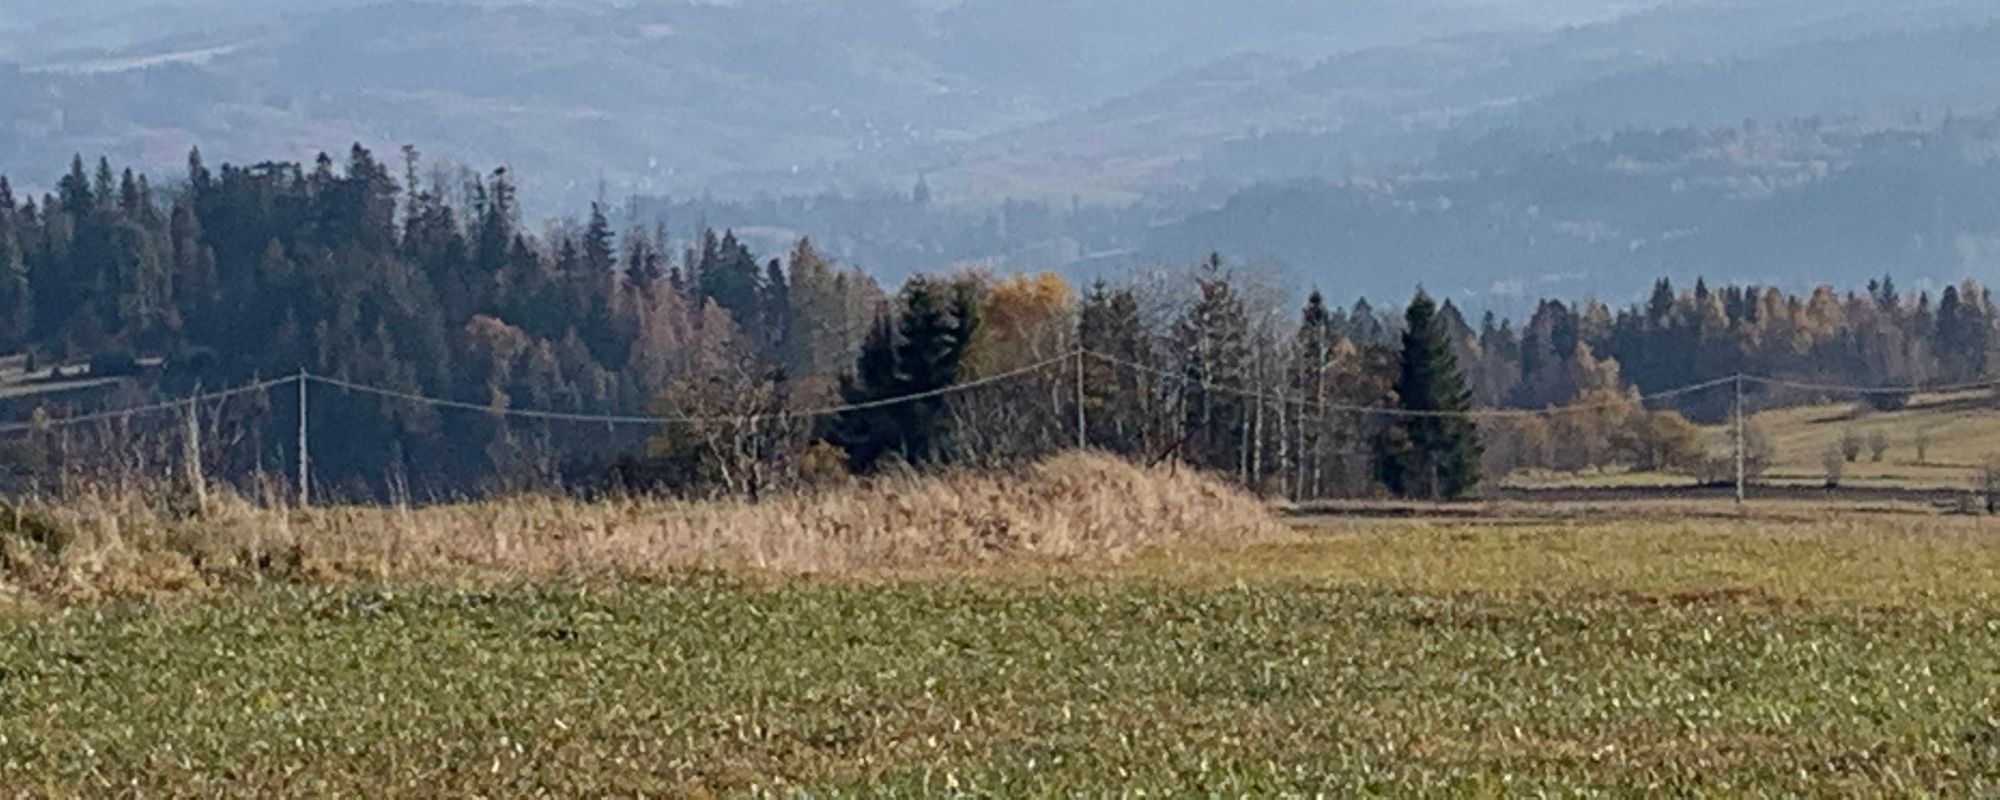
(1788, 654)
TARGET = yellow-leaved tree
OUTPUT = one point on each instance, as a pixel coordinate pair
(1025, 319)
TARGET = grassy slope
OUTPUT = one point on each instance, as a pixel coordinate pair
(1964, 430)
(1722, 656)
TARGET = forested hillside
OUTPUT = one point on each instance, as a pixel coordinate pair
(1493, 152)
(432, 287)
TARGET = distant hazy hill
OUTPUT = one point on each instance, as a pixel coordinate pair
(1788, 205)
(737, 97)
(1483, 146)
(1388, 110)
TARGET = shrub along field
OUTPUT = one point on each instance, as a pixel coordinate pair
(1797, 651)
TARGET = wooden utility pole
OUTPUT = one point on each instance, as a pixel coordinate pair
(1082, 424)
(197, 482)
(1741, 456)
(305, 452)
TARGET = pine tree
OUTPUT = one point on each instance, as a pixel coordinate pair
(645, 262)
(74, 189)
(104, 188)
(492, 244)
(200, 180)
(939, 321)
(729, 275)
(918, 354)
(816, 322)
(1434, 451)
(1364, 326)
(1213, 340)
(17, 302)
(1964, 333)
(1108, 325)
(775, 311)
(868, 435)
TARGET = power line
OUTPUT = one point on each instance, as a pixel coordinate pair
(833, 410)
(1388, 411)
(150, 408)
(653, 420)
(1871, 390)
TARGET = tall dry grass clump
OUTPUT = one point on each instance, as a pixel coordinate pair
(1070, 507)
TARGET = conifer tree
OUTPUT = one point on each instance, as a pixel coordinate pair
(17, 303)
(1434, 451)
(775, 311)
(939, 321)
(1109, 325)
(815, 341)
(868, 435)
(915, 355)
(729, 275)
(1213, 340)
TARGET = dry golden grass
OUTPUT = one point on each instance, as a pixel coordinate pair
(1959, 434)
(1963, 432)
(1077, 507)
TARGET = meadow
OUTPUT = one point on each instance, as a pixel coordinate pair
(1937, 442)
(1941, 440)
(1680, 650)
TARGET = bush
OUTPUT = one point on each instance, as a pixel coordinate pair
(1889, 402)
(1758, 456)
(1666, 441)
(1989, 484)
(1878, 446)
(1513, 445)
(114, 364)
(1758, 451)
(193, 363)
(1835, 463)
(822, 466)
(1850, 445)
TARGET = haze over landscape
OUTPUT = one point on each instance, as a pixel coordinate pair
(999, 398)
(1492, 150)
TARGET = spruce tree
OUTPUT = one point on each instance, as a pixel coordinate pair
(731, 276)
(916, 355)
(1433, 452)
(939, 320)
(1213, 339)
(776, 313)
(867, 435)
(1109, 325)
(17, 302)
(74, 189)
